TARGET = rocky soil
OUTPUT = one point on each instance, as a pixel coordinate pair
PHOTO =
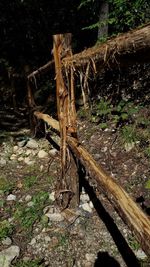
(34, 232)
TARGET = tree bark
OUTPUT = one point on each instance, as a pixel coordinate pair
(134, 45)
(103, 20)
(133, 216)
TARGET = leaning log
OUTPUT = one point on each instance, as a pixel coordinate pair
(133, 216)
(133, 45)
(121, 48)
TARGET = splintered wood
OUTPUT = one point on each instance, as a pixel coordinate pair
(128, 210)
(67, 119)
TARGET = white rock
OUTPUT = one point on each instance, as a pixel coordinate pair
(28, 161)
(2, 162)
(7, 255)
(21, 143)
(55, 217)
(47, 239)
(53, 152)
(7, 241)
(30, 204)
(13, 157)
(32, 144)
(20, 159)
(28, 152)
(90, 257)
(84, 198)
(15, 148)
(52, 196)
(129, 146)
(11, 197)
(91, 205)
(33, 241)
(140, 254)
(86, 207)
(28, 198)
(41, 168)
(42, 154)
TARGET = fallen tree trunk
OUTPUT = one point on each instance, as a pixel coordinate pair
(137, 221)
(114, 50)
(109, 53)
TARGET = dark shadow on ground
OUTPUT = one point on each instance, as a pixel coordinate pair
(123, 247)
(105, 260)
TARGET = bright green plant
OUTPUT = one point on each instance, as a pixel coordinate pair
(147, 185)
(6, 229)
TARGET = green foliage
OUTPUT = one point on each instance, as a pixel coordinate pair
(147, 152)
(129, 134)
(29, 263)
(5, 229)
(5, 185)
(29, 181)
(147, 185)
(133, 243)
(27, 216)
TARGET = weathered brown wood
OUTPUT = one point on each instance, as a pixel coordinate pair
(137, 221)
(66, 114)
(114, 50)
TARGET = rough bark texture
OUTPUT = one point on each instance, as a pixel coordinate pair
(67, 118)
(113, 51)
(137, 221)
(103, 20)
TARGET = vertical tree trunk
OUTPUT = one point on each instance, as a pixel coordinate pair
(68, 189)
(103, 20)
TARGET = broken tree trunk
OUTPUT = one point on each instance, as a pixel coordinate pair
(137, 221)
(136, 42)
(67, 119)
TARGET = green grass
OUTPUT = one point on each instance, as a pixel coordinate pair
(29, 181)
(29, 263)
(6, 229)
(27, 216)
(5, 185)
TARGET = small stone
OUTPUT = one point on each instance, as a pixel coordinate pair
(55, 217)
(13, 157)
(140, 254)
(8, 255)
(28, 152)
(41, 168)
(28, 161)
(90, 257)
(32, 144)
(53, 152)
(20, 159)
(22, 143)
(47, 239)
(30, 204)
(84, 198)
(52, 196)
(86, 207)
(15, 148)
(129, 146)
(104, 149)
(91, 205)
(28, 198)
(42, 154)
(7, 241)
(33, 241)
(2, 162)
(11, 197)
(97, 156)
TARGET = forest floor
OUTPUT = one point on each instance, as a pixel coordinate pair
(34, 232)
